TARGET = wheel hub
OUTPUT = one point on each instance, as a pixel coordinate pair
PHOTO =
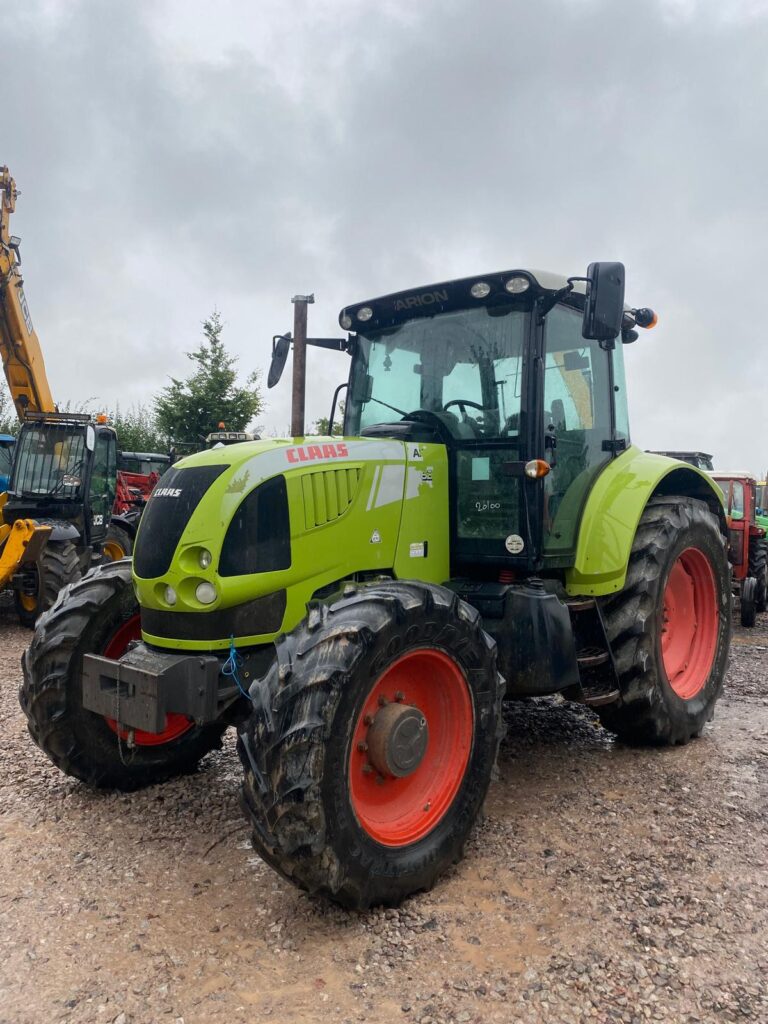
(397, 740)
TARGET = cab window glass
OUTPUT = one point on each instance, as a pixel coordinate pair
(100, 471)
(577, 418)
(737, 500)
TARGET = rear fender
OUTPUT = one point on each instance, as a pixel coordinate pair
(613, 510)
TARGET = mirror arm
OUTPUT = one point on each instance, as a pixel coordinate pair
(334, 344)
(547, 302)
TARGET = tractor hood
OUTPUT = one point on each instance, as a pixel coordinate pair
(235, 541)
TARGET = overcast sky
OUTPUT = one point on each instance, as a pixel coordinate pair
(175, 156)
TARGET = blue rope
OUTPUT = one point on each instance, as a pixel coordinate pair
(231, 667)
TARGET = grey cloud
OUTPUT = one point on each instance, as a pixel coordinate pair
(172, 158)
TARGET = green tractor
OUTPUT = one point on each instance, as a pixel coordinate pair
(358, 607)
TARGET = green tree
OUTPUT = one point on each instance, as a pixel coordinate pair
(9, 424)
(188, 410)
(320, 426)
(137, 430)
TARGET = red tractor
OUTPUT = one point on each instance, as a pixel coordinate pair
(747, 545)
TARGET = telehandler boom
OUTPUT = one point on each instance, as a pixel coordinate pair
(57, 516)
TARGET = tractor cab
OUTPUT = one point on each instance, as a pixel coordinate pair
(64, 469)
(7, 442)
(499, 370)
(747, 551)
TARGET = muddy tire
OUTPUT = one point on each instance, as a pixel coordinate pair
(758, 567)
(748, 602)
(118, 543)
(389, 678)
(57, 566)
(99, 614)
(669, 628)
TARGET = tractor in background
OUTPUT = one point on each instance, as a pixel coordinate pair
(747, 545)
(358, 606)
(701, 460)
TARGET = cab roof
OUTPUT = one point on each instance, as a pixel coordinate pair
(447, 296)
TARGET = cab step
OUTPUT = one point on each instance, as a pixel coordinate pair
(593, 696)
(591, 657)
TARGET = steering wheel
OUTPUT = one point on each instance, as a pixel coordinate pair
(462, 404)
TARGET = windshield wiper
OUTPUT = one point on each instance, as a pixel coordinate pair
(392, 407)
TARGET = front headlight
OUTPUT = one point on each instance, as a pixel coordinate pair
(206, 593)
(204, 558)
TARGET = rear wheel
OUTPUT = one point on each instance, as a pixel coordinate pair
(117, 544)
(99, 615)
(372, 741)
(669, 628)
(748, 601)
(758, 567)
(56, 566)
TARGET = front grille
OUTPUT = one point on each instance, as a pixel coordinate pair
(262, 615)
(167, 513)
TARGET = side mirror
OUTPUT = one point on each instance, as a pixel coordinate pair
(281, 346)
(90, 438)
(604, 305)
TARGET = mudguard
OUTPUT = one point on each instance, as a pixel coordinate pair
(60, 531)
(613, 509)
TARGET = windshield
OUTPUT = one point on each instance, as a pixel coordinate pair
(464, 367)
(50, 461)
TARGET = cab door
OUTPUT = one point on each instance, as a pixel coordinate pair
(102, 484)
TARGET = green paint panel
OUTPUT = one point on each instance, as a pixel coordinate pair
(613, 510)
(344, 518)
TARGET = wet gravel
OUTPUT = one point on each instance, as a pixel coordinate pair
(604, 884)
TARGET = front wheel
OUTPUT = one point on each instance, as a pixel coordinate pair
(117, 544)
(56, 566)
(99, 615)
(669, 628)
(372, 741)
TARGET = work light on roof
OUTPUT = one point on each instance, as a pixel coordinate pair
(365, 313)
(517, 285)
(346, 322)
(480, 289)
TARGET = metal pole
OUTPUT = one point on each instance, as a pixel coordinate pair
(300, 303)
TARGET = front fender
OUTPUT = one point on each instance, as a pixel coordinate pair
(613, 510)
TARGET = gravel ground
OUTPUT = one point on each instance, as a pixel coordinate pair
(604, 884)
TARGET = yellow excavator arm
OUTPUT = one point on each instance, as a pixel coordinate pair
(19, 345)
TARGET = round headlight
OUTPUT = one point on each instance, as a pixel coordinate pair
(365, 313)
(204, 558)
(517, 285)
(480, 289)
(346, 322)
(205, 593)
(170, 596)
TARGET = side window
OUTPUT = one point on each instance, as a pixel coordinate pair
(577, 419)
(101, 462)
(737, 500)
(620, 393)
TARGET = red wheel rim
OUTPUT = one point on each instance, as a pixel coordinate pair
(400, 811)
(175, 725)
(690, 623)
